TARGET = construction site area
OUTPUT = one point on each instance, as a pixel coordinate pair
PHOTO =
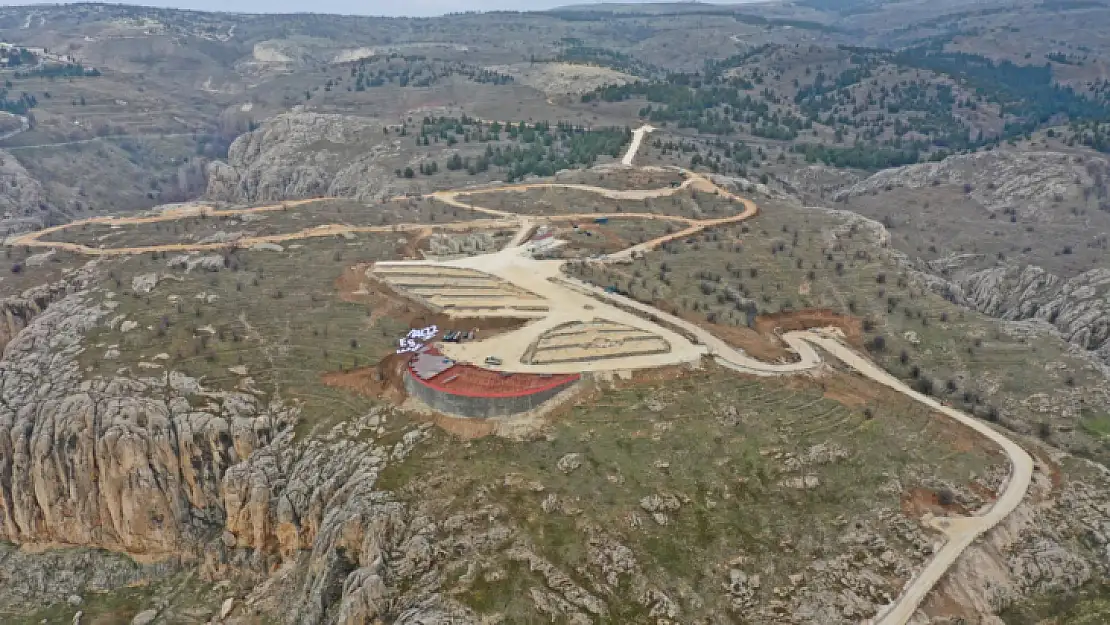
(508, 310)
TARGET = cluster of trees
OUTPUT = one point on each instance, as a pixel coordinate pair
(568, 150)
(1026, 93)
(575, 51)
(536, 149)
(1093, 134)
(449, 130)
(67, 70)
(473, 166)
(19, 106)
(885, 114)
(859, 156)
(412, 71)
(691, 9)
(886, 122)
(710, 107)
(18, 56)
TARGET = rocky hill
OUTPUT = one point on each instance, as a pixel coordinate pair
(1015, 234)
(1078, 307)
(222, 436)
(225, 480)
(303, 154)
(24, 204)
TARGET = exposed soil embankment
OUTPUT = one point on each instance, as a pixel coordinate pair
(808, 319)
(761, 341)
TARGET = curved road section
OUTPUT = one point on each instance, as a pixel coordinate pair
(960, 531)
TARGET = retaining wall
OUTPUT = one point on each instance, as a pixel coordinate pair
(477, 406)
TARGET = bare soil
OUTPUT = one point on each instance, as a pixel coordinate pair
(917, 502)
(354, 286)
(807, 319)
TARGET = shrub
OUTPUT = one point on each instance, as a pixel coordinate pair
(946, 497)
(1044, 430)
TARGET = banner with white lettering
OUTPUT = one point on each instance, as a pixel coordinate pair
(415, 339)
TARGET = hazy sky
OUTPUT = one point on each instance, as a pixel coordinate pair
(360, 7)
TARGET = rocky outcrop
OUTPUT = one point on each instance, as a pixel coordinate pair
(23, 204)
(1029, 183)
(133, 465)
(1078, 307)
(32, 580)
(1055, 542)
(124, 464)
(17, 312)
(301, 154)
(354, 554)
(1032, 185)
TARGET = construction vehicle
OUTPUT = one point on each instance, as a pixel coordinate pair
(493, 361)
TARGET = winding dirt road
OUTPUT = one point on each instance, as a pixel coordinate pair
(581, 302)
(500, 219)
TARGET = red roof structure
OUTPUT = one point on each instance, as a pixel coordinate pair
(431, 369)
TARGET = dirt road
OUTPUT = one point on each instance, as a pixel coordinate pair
(502, 219)
(571, 301)
(961, 531)
(637, 139)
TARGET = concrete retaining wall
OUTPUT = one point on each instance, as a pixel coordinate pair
(479, 407)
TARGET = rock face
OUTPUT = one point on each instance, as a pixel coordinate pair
(1078, 307)
(124, 464)
(23, 204)
(33, 580)
(1054, 542)
(17, 312)
(129, 464)
(1027, 182)
(299, 154)
(1033, 188)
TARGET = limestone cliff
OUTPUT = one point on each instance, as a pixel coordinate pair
(125, 464)
(24, 203)
(1030, 183)
(17, 312)
(1078, 307)
(1055, 200)
(301, 154)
